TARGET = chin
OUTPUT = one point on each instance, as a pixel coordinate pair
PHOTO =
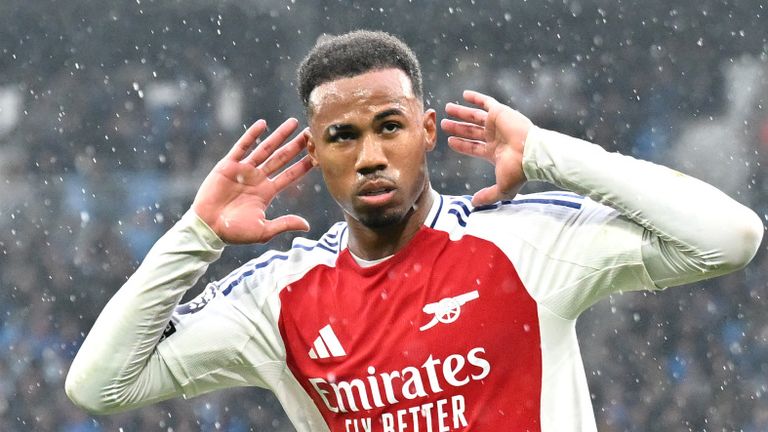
(383, 219)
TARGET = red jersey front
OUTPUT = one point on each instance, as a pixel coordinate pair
(419, 341)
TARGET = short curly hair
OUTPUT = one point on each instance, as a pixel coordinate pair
(355, 53)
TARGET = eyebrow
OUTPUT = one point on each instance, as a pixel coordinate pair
(344, 127)
(387, 113)
(339, 127)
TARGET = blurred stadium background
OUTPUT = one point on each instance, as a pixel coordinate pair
(112, 112)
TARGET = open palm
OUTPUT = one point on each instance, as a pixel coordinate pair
(235, 195)
(494, 132)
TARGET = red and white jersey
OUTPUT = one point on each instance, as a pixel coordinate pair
(471, 326)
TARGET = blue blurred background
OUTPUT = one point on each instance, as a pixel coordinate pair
(112, 112)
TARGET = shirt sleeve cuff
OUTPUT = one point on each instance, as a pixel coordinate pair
(535, 155)
(204, 233)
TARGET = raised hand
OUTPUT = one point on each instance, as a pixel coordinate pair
(235, 195)
(494, 132)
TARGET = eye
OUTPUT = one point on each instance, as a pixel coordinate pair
(390, 127)
(342, 136)
(336, 134)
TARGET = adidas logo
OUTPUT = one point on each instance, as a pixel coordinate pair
(326, 345)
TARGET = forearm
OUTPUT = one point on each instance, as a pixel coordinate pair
(704, 232)
(117, 367)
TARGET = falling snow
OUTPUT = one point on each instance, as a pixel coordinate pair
(112, 114)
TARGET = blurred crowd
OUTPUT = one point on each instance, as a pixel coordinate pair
(111, 117)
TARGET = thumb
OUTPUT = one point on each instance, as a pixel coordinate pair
(284, 223)
(486, 196)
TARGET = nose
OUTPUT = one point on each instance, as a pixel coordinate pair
(371, 157)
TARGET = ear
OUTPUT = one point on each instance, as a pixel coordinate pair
(311, 148)
(429, 123)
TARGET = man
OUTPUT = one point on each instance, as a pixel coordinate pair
(420, 311)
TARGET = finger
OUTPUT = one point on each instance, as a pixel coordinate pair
(479, 99)
(469, 147)
(241, 147)
(293, 173)
(272, 142)
(466, 114)
(463, 130)
(284, 155)
(283, 224)
(486, 196)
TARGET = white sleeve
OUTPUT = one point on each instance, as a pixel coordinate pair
(568, 250)
(118, 366)
(226, 337)
(692, 231)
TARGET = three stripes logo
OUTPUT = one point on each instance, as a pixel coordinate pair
(326, 345)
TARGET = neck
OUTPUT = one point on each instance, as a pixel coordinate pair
(374, 243)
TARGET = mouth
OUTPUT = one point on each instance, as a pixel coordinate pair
(376, 192)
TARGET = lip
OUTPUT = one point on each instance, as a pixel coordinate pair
(376, 192)
(379, 199)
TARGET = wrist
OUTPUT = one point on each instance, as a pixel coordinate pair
(205, 232)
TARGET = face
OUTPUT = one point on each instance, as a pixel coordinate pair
(369, 137)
